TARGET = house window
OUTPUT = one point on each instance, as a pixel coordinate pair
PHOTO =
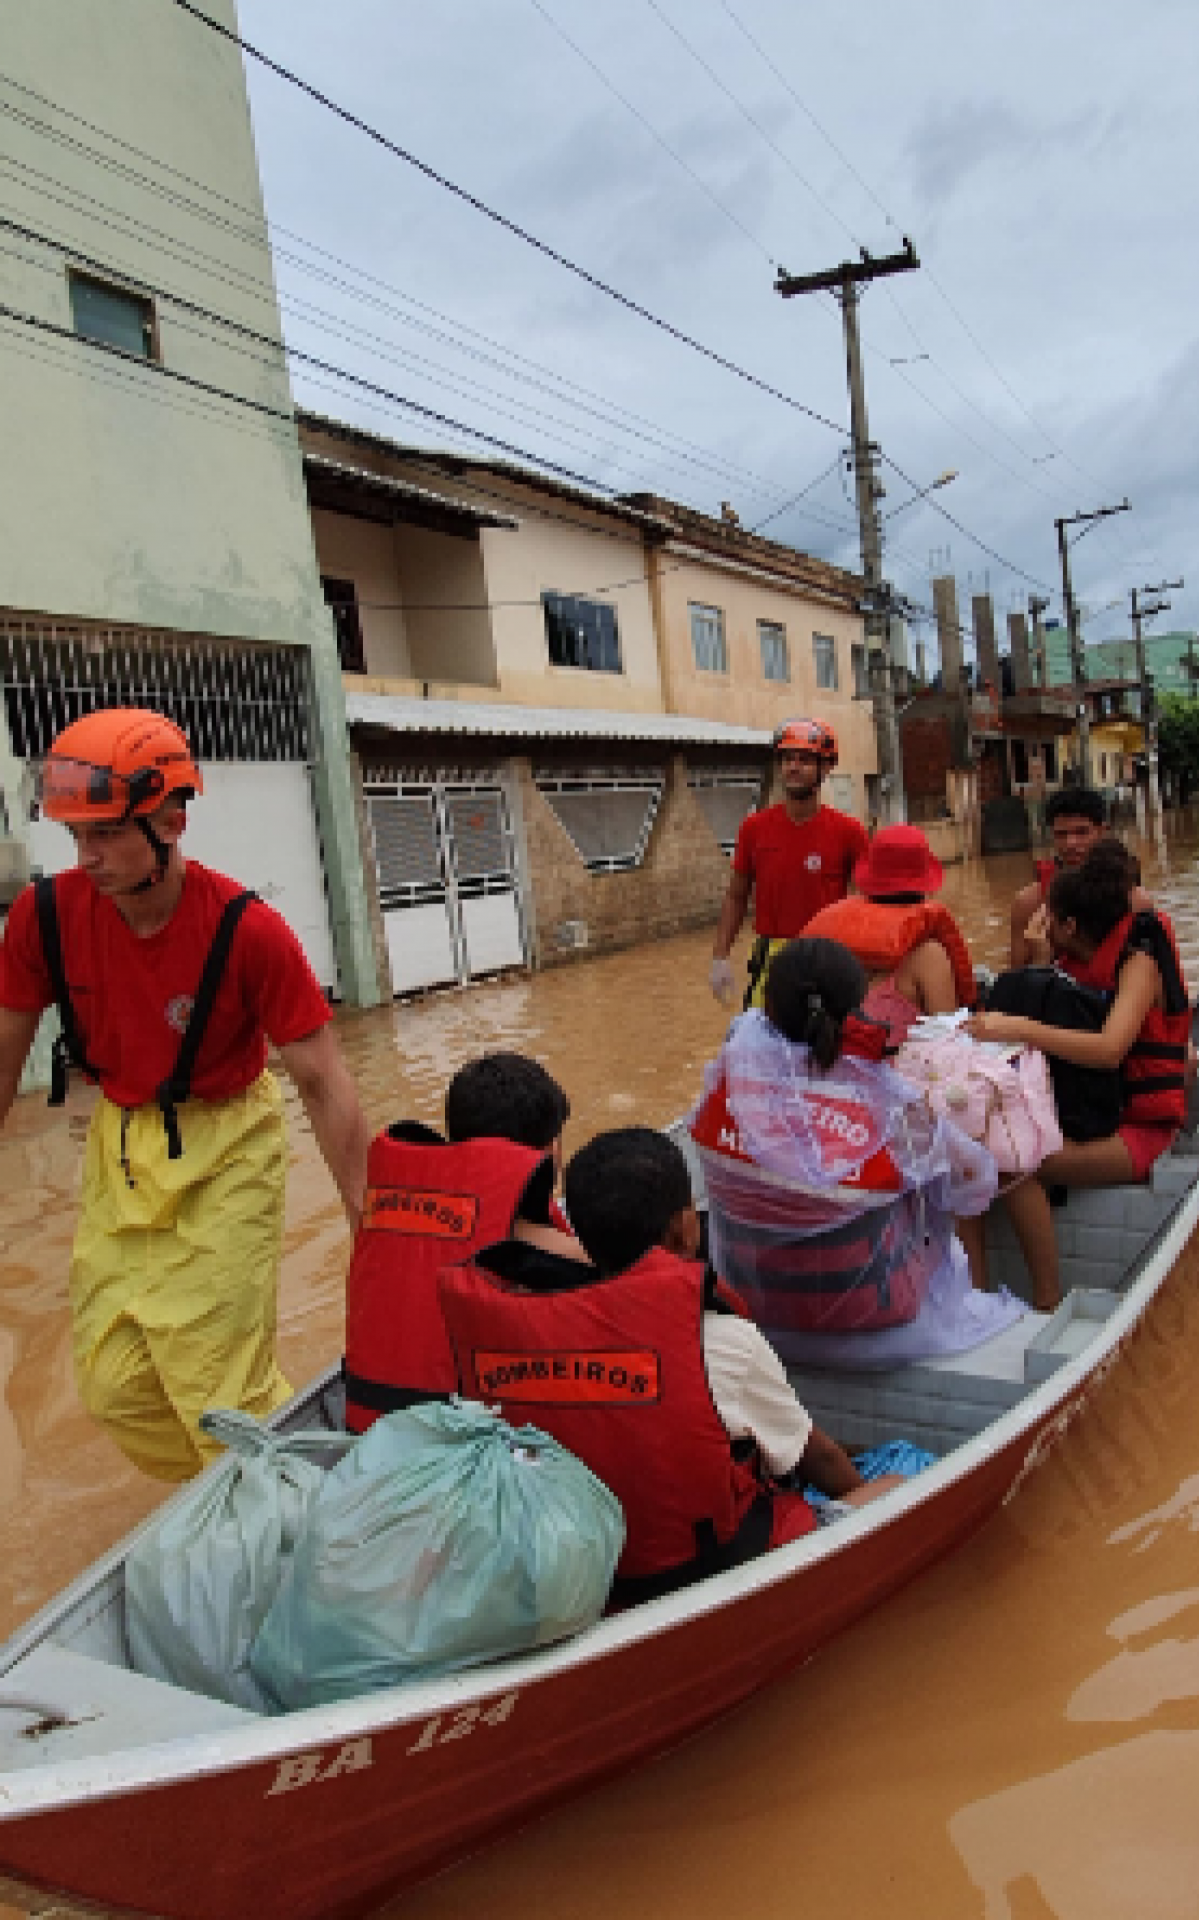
(113, 316)
(724, 800)
(861, 672)
(824, 652)
(773, 641)
(581, 633)
(707, 639)
(341, 598)
(607, 817)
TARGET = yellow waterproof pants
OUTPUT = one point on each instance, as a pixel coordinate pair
(761, 954)
(174, 1273)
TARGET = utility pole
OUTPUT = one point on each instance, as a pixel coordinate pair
(844, 281)
(1036, 607)
(1143, 610)
(1077, 664)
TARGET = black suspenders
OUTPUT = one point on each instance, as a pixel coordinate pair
(176, 1088)
(69, 1050)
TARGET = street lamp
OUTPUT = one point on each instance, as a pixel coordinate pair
(942, 480)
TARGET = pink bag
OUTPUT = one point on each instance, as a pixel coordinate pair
(1002, 1100)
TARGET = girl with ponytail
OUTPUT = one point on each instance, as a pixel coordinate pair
(811, 989)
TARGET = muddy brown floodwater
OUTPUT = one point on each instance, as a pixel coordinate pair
(1014, 1737)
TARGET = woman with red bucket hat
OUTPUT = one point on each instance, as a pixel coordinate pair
(911, 946)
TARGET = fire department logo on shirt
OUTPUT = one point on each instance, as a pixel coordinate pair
(179, 1012)
(812, 863)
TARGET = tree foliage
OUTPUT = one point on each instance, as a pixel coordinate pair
(1178, 742)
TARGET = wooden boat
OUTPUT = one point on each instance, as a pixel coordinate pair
(123, 1794)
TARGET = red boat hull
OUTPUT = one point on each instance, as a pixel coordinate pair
(330, 1833)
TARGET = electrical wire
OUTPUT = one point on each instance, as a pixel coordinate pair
(519, 232)
(685, 165)
(484, 348)
(187, 256)
(374, 134)
(1056, 449)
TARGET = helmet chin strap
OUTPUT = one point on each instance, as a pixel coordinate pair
(162, 857)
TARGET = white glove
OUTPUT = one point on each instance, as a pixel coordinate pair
(723, 982)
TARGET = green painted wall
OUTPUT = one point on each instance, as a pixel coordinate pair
(125, 496)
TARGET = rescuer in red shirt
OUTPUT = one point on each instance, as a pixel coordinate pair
(795, 858)
(169, 980)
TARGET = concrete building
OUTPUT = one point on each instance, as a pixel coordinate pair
(157, 546)
(561, 705)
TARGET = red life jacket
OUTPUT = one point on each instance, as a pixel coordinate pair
(614, 1370)
(715, 1128)
(867, 1271)
(1152, 1071)
(427, 1204)
(881, 936)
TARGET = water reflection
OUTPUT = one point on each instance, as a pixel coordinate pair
(966, 1752)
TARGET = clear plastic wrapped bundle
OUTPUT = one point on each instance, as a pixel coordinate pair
(831, 1199)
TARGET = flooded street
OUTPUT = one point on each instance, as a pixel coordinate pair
(1015, 1736)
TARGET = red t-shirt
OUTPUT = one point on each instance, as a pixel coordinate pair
(796, 870)
(132, 997)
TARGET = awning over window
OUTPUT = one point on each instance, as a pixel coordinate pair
(398, 713)
(362, 495)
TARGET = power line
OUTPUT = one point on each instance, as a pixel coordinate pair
(745, 113)
(653, 133)
(432, 464)
(513, 227)
(187, 255)
(309, 359)
(752, 120)
(548, 252)
(933, 279)
(660, 437)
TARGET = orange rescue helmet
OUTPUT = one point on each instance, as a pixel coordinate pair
(807, 736)
(119, 763)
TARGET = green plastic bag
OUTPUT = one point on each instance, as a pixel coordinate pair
(446, 1538)
(198, 1584)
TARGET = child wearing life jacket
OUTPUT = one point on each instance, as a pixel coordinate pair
(619, 1346)
(911, 948)
(1101, 938)
(431, 1201)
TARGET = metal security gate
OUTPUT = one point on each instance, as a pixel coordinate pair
(245, 710)
(445, 863)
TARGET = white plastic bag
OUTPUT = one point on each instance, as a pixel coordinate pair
(445, 1539)
(199, 1584)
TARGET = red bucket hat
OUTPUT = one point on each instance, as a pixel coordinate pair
(898, 860)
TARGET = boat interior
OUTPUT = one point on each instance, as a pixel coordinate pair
(67, 1689)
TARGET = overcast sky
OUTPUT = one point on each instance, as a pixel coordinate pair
(1043, 155)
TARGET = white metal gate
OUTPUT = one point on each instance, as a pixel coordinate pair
(445, 864)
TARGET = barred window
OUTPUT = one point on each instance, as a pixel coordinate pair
(233, 701)
(707, 639)
(724, 800)
(608, 818)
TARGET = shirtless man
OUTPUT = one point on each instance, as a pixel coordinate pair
(1076, 818)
